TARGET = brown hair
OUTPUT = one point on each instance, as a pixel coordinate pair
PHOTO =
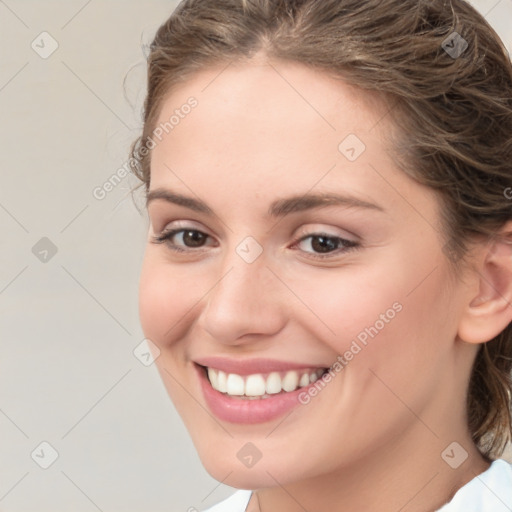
(447, 79)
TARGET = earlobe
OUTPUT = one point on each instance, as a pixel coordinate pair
(489, 312)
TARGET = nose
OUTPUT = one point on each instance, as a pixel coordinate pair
(246, 302)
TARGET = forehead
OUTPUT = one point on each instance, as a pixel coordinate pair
(267, 116)
(266, 90)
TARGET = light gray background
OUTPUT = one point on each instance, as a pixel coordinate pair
(69, 325)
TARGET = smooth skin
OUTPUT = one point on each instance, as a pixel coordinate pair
(373, 438)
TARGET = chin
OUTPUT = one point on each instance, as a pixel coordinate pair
(239, 477)
(224, 464)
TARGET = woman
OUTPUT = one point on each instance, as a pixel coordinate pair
(328, 275)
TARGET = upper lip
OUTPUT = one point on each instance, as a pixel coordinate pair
(250, 366)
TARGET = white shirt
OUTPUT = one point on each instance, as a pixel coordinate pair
(491, 491)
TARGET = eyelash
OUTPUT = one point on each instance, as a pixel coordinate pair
(347, 245)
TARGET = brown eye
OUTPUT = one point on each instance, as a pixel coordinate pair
(193, 238)
(183, 239)
(321, 244)
(324, 243)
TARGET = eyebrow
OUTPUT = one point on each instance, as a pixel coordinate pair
(278, 208)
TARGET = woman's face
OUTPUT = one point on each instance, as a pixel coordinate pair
(299, 245)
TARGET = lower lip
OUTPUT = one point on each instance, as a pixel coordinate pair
(238, 410)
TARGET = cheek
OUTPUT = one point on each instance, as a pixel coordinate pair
(166, 296)
(348, 304)
(385, 313)
(407, 326)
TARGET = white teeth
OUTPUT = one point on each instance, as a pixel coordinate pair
(255, 385)
(235, 385)
(213, 376)
(260, 386)
(221, 381)
(290, 381)
(273, 384)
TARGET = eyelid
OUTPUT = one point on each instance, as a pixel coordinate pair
(318, 234)
(349, 242)
(179, 224)
(320, 230)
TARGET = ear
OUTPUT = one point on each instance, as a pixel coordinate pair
(489, 311)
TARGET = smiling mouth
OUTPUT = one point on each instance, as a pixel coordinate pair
(259, 386)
